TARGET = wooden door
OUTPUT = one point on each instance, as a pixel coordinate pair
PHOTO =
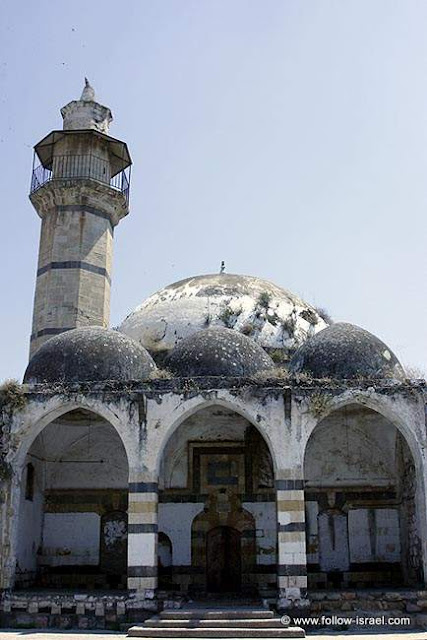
(224, 559)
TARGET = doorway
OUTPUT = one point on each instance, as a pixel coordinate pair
(224, 559)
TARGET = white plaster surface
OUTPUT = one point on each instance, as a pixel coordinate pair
(333, 542)
(31, 518)
(354, 446)
(175, 521)
(374, 535)
(181, 309)
(71, 538)
(266, 530)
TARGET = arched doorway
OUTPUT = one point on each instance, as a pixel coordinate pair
(360, 495)
(164, 552)
(223, 559)
(72, 530)
(217, 504)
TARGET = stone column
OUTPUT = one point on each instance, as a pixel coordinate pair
(292, 560)
(9, 521)
(142, 535)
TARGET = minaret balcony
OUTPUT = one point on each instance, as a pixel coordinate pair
(81, 167)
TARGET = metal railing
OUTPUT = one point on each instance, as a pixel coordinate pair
(75, 167)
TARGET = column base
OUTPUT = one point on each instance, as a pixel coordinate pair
(292, 598)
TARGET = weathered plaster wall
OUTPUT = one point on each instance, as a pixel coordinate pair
(266, 530)
(175, 521)
(83, 455)
(31, 514)
(352, 446)
(374, 535)
(70, 539)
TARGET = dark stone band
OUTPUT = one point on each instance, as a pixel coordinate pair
(289, 485)
(142, 528)
(142, 572)
(74, 264)
(143, 487)
(291, 570)
(292, 526)
(50, 331)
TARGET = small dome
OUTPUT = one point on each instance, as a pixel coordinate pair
(89, 354)
(345, 351)
(271, 316)
(218, 352)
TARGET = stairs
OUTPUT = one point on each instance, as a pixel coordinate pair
(231, 622)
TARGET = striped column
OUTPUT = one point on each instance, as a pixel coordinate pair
(292, 560)
(142, 535)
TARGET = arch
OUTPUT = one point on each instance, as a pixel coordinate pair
(379, 405)
(215, 457)
(76, 451)
(194, 409)
(33, 429)
(365, 492)
(165, 561)
(165, 550)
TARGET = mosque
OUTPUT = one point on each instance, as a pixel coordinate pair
(227, 440)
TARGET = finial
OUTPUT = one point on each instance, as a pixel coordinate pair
(88, 93)
(222, 269)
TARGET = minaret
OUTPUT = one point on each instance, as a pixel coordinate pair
(80, 189)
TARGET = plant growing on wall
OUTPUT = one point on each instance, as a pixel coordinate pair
(319, 404)
(12, 396)
(264, 299)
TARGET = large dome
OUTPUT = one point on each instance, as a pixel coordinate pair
(270, 315)
(346, 351)
(89, 354)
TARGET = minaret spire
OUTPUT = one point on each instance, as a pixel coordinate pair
(88, 93)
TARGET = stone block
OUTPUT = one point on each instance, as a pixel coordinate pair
(24, 619)
(421, 621)
(33, 607)
(65, 622)
(393, 596)
(110, 616)
(83, 622)
(41, 622)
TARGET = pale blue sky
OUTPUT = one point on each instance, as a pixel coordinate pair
(286, 137)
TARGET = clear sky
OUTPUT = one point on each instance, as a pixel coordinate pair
(286, 137)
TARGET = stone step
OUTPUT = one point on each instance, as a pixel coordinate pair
(231, 632)
(216, 614)
(260, 623)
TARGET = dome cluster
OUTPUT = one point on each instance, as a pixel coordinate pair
(185, 324)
